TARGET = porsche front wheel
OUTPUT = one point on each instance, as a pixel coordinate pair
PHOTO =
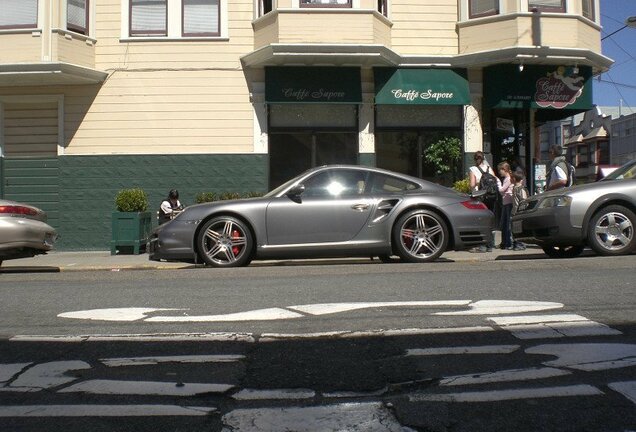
(225, 241)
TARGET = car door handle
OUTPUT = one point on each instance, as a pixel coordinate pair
(360, 207)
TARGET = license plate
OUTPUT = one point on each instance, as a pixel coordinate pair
(517, 227)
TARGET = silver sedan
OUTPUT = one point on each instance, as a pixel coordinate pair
(601, 215)
(331, 211)
(23, 231)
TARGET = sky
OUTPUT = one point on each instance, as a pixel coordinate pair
(619, 83)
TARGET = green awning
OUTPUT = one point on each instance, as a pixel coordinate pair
(554, 88)
(299, 84)
(421, 86)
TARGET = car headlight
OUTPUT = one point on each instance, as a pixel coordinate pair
(558, 201)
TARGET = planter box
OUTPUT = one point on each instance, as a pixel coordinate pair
(130, 231)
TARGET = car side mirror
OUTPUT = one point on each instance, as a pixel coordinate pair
(296, 190)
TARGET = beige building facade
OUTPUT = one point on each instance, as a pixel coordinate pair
(240, 95)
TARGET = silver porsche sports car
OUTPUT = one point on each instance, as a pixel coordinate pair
(601, 215)
(331, 211)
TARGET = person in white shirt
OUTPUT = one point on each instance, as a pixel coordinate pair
(474, 176)
(557, 177)
(169, 207)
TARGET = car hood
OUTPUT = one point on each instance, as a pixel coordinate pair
(575, 189)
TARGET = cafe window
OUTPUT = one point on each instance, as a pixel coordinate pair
(547, 5)
(201, 18)
(325, 3)
(481, 8)
(18, 14)
(148, 17)
(77, 16)
(588, 9)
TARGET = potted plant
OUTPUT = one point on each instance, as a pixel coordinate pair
(131, 223)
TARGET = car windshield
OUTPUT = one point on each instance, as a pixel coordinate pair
(627, 171)
(284, 186)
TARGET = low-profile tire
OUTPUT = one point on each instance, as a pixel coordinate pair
(388, 259)
(420, 236)
(225, 241)
(611, 231)
(563, 251)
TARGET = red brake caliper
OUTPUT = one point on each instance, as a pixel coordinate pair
(235, 249)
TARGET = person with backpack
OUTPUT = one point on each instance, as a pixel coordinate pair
(482, 177)
(519, 193)
(561, 173)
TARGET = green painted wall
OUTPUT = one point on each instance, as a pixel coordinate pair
(88, 185)
(33, 181)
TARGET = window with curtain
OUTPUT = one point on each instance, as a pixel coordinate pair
(18, 14)
(77, 16)
(588, 9)
(148, 17)
(480, 8)
(201, 18)
(325, 3)
(547, 5)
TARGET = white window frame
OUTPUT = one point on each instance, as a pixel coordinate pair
(174, 31)
(90, 18)
(28, 26)
(355, 4)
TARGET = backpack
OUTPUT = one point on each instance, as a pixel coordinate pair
(519, 193)
(488, 182)
(570, 172)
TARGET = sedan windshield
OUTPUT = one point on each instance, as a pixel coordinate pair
(627, 171)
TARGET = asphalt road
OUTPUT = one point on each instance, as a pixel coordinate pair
(532, 344)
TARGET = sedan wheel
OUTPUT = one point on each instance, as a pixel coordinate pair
(611, 231)
(563, 251)
(420, 236)
(225, 242)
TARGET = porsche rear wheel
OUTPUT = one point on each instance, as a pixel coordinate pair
(420, 236)
(225, 241)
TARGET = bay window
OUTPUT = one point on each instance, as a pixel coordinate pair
(77, 16)
(200, 18)
(588, 9)
(16, 14)
(148, 17)
(547, 5)
(480, 8)
(325, 3)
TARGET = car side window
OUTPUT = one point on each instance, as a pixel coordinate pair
(336, 183)
(386, 183)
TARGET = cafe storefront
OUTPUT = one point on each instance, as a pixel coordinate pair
(415, 110)
(518, 100)
(312, 118)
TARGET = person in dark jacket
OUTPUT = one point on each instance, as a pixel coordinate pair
(170, 207)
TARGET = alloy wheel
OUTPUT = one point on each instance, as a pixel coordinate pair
(225, 242)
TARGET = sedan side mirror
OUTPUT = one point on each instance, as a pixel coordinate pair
(296, 190)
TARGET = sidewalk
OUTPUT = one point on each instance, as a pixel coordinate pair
(57, 261)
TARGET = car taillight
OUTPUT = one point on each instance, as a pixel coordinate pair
(474, 205)
(21, 210)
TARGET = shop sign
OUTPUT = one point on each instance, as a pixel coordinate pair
(421, 87)
(505, 125)
(312, 85)
(559, 89)
(551, 87)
